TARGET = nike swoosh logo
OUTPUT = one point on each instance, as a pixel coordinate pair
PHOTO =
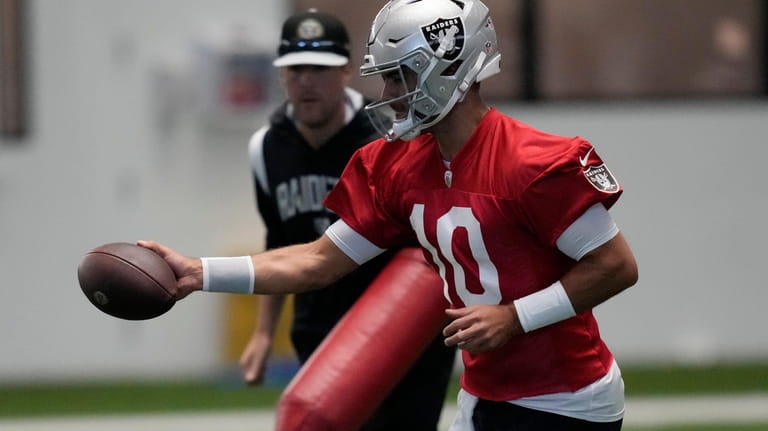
(583, 160)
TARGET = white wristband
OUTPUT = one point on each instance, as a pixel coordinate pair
(228, 274)
(544, 307)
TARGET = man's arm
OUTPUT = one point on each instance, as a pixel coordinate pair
(599, 275)
(296, 268)
(605, 266)
(253, 360)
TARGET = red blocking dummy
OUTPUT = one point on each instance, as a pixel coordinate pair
(369, 350)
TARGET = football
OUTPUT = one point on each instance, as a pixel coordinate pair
(127, 281)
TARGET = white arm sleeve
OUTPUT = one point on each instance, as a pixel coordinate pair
(354, 245)
(593, 229)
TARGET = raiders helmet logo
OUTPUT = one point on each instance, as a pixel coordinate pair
(450, 30)
(601, 178)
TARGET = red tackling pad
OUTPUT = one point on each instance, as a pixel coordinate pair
(368, 351)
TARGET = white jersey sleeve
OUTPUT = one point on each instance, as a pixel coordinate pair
(593, 229)
(354, 245)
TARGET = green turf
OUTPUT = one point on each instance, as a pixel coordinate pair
(713, 379)
(130, 397)
(127, 397)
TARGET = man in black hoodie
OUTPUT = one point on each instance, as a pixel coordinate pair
(295, 161)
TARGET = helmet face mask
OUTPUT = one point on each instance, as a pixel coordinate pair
(405, 106)
(447, 44)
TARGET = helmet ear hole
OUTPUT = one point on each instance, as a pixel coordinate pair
(408, 69)
(452, 68)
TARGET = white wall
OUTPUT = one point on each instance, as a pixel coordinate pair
(101, 166)
(97, 168)
(694, 210)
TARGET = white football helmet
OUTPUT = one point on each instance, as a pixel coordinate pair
(449, 44)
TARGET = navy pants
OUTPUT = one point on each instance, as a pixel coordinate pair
(503, 416)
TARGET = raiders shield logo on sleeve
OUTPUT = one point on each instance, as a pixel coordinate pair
(601, 178)
(449, 29)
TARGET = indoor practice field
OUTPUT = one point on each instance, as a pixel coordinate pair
(123, 121)
(735, 413)
(725, 397)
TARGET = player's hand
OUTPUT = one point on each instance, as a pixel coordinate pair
(189, 271)
(253, 360)
(480, 328)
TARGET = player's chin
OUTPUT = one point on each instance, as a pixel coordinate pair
(401, 110)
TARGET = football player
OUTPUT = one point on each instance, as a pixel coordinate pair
(515, 220)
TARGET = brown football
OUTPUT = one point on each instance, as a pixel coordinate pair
(127, 281)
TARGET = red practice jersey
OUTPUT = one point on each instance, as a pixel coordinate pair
(489, 225)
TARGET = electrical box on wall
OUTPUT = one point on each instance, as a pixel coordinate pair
(223, 80)
(233, 77)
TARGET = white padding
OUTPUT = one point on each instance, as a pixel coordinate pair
(228, 274)
(544, 307)
(354, 245)
(594, 228)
